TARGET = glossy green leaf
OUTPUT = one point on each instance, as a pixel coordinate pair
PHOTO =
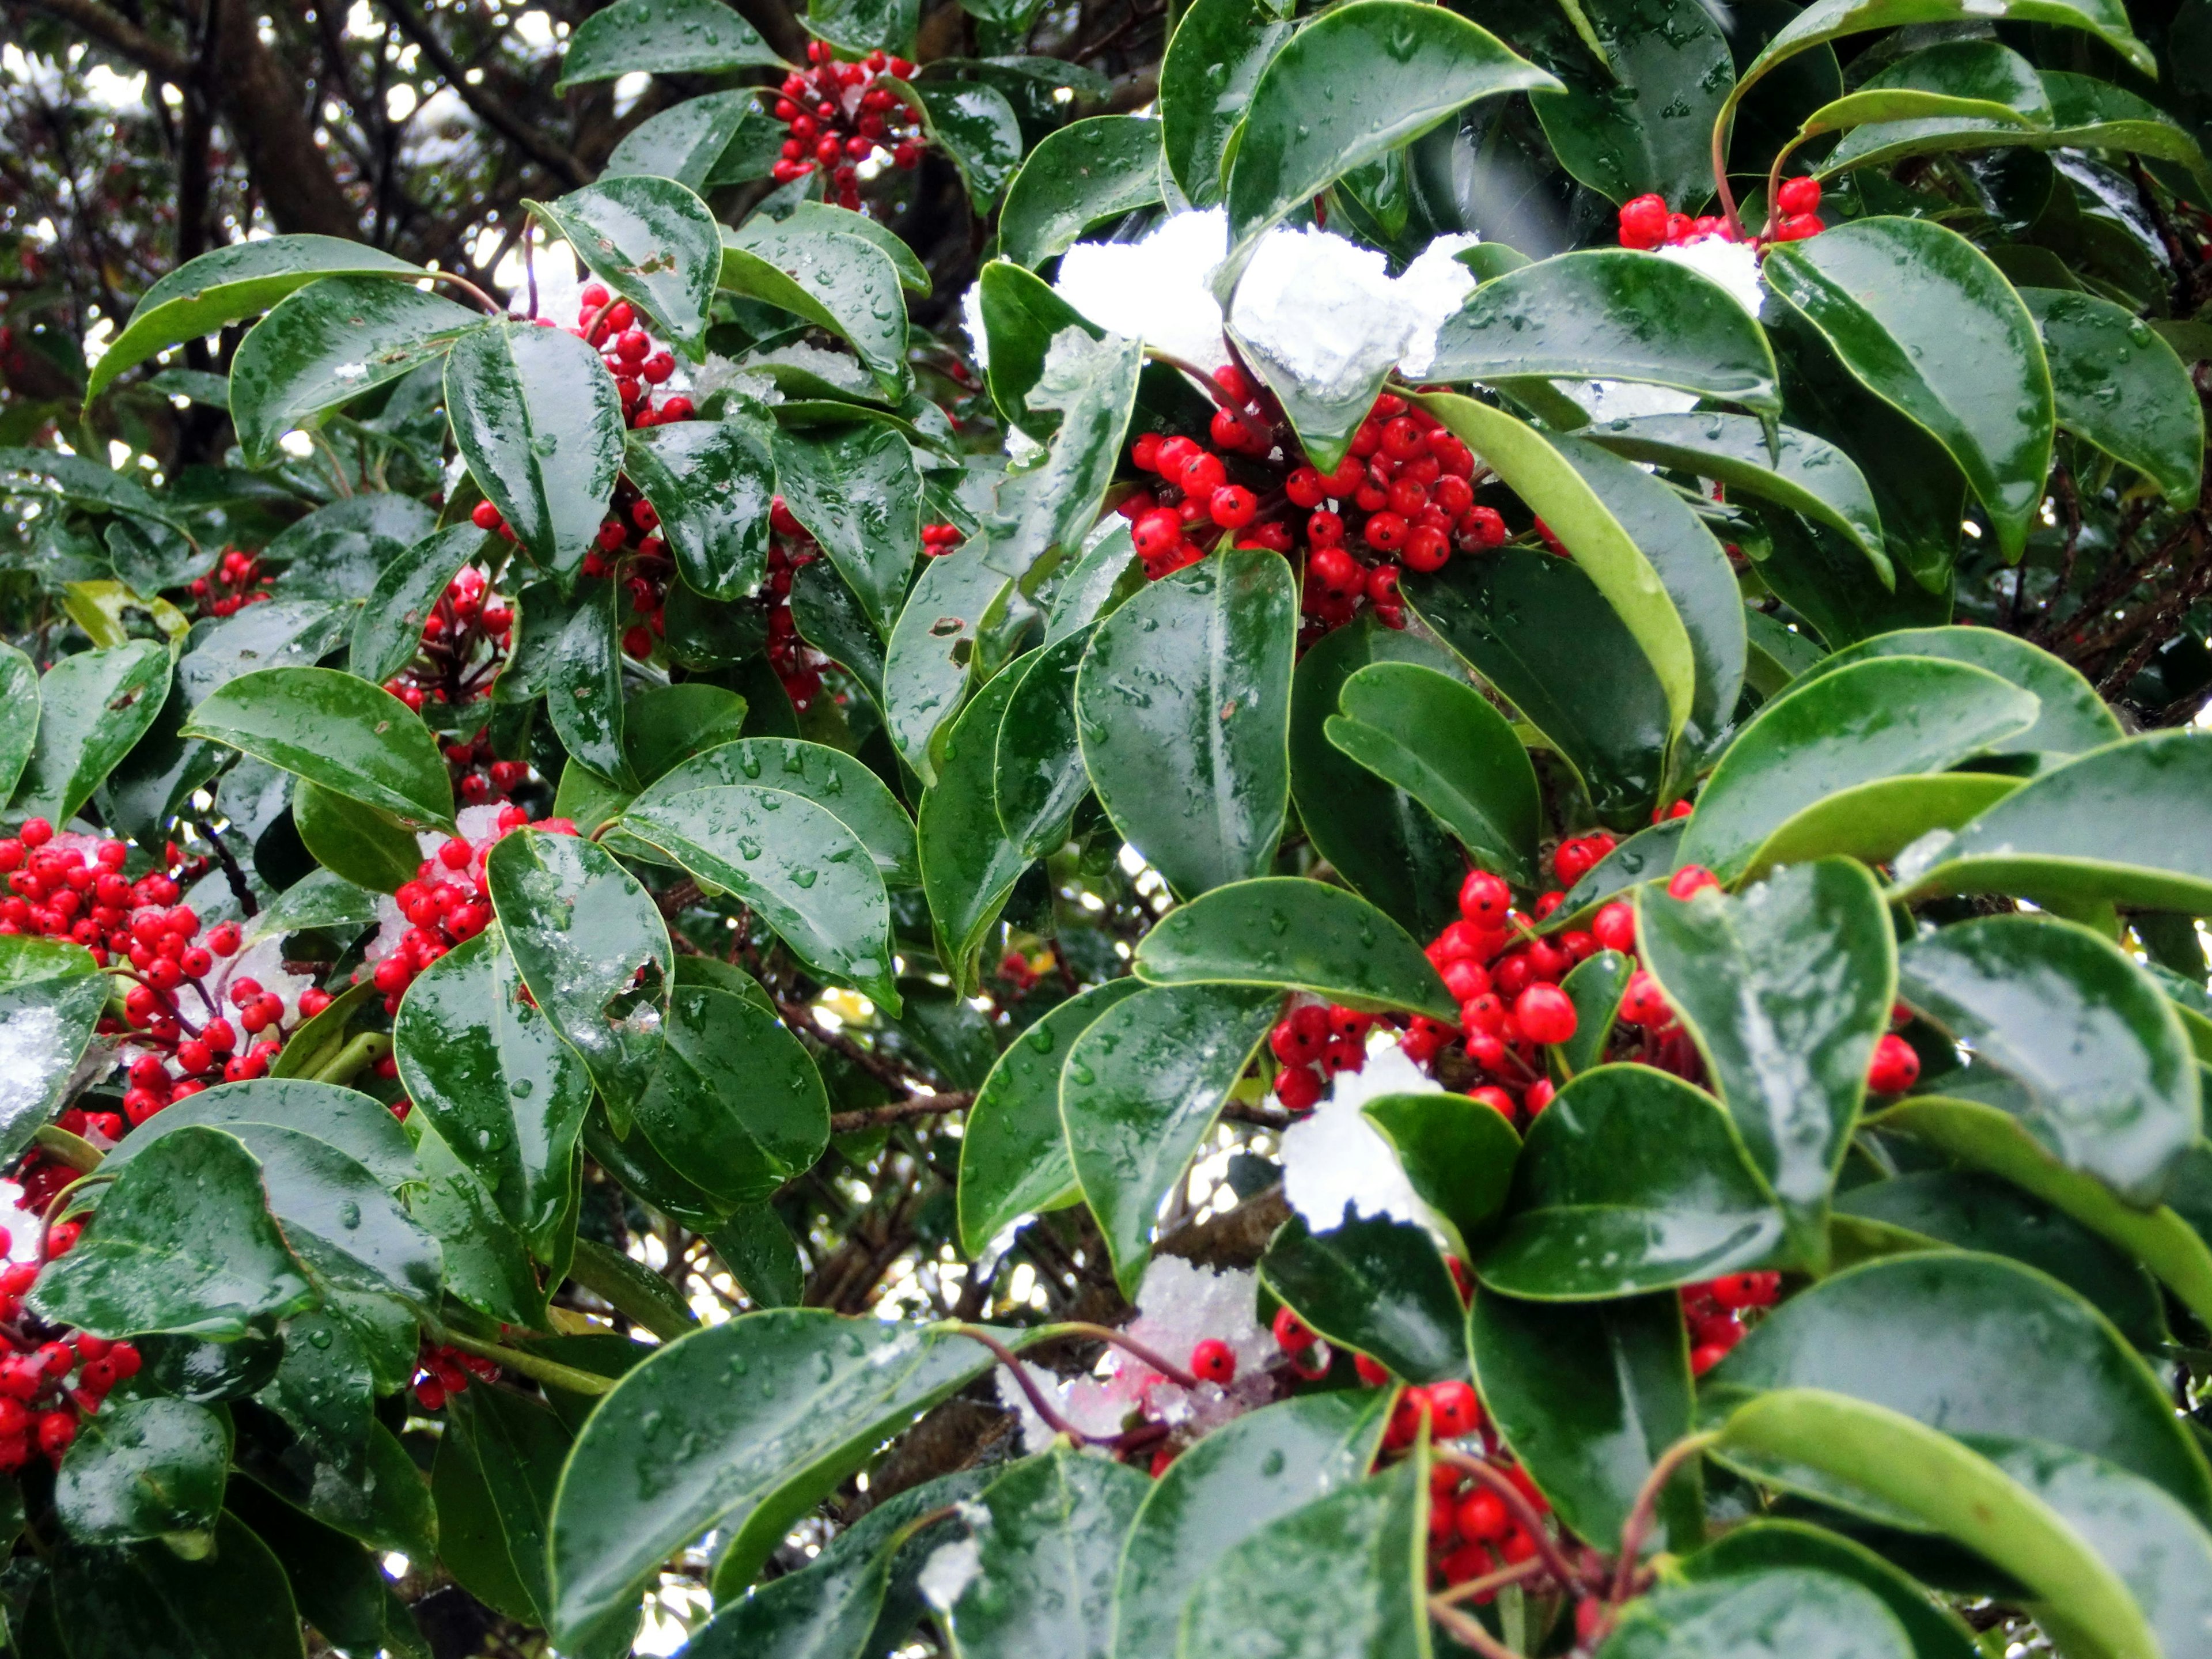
(142, 1468)
(357, 1124)
(664, 725)
(651, 240)
(838, 782)
(1761, 1546)
(506, 1094)
(1874, 822)
(972, 123)
(1874, 720)
(1344, 1575)
(808, 876)
(692, 142)
(711, 482)
(582, 669)
(1037, 774)
(1539, 631)
(351, 738)
(184, 1242)
(825, 1610)
(51, 996)
(1640, 1184)
(838, 281)
(1956, 350)
(389, 630)
(758, 1249)
(487, 1259)
(1021, 315)
(1937, 1337)
(1590, 1395)
(2120, 823)
(1212, 62)
(2075, 719)
(1377, 1285)
(932, 646)
(736, 1102)
(1013, 1151)
(1041, 514)
(969, 863)
(1049, 1540)
(1595, 986)
(339, 1587)
(827, 616)
(1291, 933)
(327, 344)
(364, 845)
(913, 274)
(2086, 1051)
(662, 37)
(1785, 1613)
(856, 490)
(1598, 314)
(1785, 989)
(1184, 703)
(1457, 1153)
(1809, 476)
(1139, 1091)
(1435, 737)
(148, 1600)
(339, 551)
(1974, 91)
(2122, 388)
(92, 709)
(339, 1219)
(1085, 172)
(537, 417)
(757, 1456)
(19, 715)
(1348, 88)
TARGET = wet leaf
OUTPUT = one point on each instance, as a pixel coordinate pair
(735, 1102)
(711, 482)
(143, 1468)
(651, 240)
(969, 863)
(836, 280)
(351, 738)
(91, 709)
(1377, 1285)
(856, 490)
(662, 37)
(389, 630)
(1087, 171)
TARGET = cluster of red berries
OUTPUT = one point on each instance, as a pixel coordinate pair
(1312, 1043)
(1015, 974)
(479, 777)
(638, 365)
(939, 540)
(1647, 222)
(48, 1381)
(1711, 1311)
(839, 117)
(465, 639)
(1402, 496)
(442, 1372)
(235, 582)
(449, 901)
(796, 663)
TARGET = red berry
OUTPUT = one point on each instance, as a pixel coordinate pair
(1483, 527)
(1157, 533)
(1291, 1332)
(1386, 531)
(1895, 1066)
(1374, 1374)
(1231, 506)
(1545, 1014)
(1427, 548)
(1484, 900)
(1496, 1099)
(1691, 880)
(1614, 926)
(1643, 223)
(1298, 1087)
(1482, 1517)
(1644, 1003)
(1454, 1409)
(1306, 488)
(1213, 1361)
(1797, 227)
(1201, 475)
(1467, 1564)
(1799, 195)
(485, 516)
(1537, 1096)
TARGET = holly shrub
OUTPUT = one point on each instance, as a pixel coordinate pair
(1339, 943)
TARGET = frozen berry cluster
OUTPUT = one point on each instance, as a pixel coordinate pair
(448, 901)
(841, 115)
(1647, 222)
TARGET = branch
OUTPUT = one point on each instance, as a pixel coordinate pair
(156, 57)
(914, 1106)
(492, 111)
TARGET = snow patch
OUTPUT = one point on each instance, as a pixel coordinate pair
(1734, 266)
(30, 1039)
(1154, 289)
(944, 1577)
(1335, 1160)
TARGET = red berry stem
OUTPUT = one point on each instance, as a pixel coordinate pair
(1106, 1334)
(1517, 1505)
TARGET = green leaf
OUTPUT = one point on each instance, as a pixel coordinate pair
(1085, 172)
(1595, 986)
(1437, 738)
(662, 37)
(1785, 989)
(147, 1600)
(2120, 387)
(1880, 718)
(863, 26)
(687, 142)
(584, 683)
(826, 1610)
(1985, 1138)
(652, 242)
(1785, 1613)
(486, 1260)
(1347, 88)
(184, 1242)
(1590, 1395)
(203, 296)
(1602, 547)
(2075, 719)
(1956, 350)
(666, 725)
(839, 783)
(856, 490)
(758, 1249)
(913, 274)
(1291, 933)
(1458, 1154)
(142, 1468)
(326, 345)
(362, 844)
(1042, 514)
(1539, 631)
(351, 738)
(86, 483)
(934, 644)
(836, 280)
(1874, 822)
(1049, 1543)
(1013, 1151)
(537, 417)
(389, 630)
(19, 715)
(1641, 1184)
(974, 125)
(969, 863)
(382, 1499)
(2120, 823)
(1808, 475)
(488, 1067)
(808, 876)
(829, 618)
(593, 951)
(340, 1589)
(339, 1219)
(1022, 316)
(361, 1127)
(736, 1102)
(1374, 1283)
(51, 996)
(1184, 703)
(1140, 1091)
(2086, 1050)
(1385, 844)
(340, 550)
(1936, 1337)
(1344, 1575)
(1934, 1632)
(711, 482)
(92, 709)
(1212, 62)
(757, 1457)
(1037, 777)
(1597, 314)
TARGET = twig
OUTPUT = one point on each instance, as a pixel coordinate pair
(1523, 1512)
(1475, 1589)
(899, 1111)
(531, 1365)
(1107, 1334)
(1043, 1406)
(1645, 1509)
(241, 888)
(1467, 1632)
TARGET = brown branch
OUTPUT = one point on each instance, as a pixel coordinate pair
(264, 106)
(493, 112)
(899, 1111)
(156, 57)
